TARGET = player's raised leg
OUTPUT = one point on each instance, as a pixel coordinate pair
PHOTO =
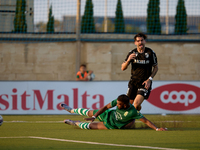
(65, 107)
(138, 101)
(80, 111)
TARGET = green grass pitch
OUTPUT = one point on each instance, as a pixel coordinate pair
(48, 132)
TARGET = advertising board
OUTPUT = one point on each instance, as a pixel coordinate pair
(44, 97)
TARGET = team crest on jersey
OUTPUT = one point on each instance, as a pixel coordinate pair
(146, 55)
(118, 116)
(126, 113)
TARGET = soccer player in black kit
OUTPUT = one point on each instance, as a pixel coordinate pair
(142, 60)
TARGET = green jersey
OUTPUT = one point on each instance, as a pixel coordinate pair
(117, 118)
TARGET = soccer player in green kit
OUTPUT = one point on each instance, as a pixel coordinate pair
(123, 117)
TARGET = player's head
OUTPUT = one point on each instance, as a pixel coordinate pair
(122, 101)
(140, 35)
(140, 40)
(82, 68)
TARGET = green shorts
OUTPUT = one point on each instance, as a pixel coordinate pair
(104, 118)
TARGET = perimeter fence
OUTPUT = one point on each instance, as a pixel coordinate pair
(78, 17)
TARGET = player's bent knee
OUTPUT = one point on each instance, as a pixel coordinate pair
(139, 107)
(90, 113)
(98, 125)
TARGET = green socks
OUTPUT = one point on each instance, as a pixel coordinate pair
(83, 125)
(81, 111)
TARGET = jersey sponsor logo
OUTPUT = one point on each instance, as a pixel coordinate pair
(141, 61)
(176, 97)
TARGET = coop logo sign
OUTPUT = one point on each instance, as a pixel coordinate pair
(176, 97)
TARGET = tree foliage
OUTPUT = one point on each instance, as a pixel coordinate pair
(119, 18)
(181, 18)
(50, 24)
(20, 25)
(153, 18)
(87, 22)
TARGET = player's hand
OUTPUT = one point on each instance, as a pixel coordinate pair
(161, 129)
(131, 57)
(147, 84)
(86, 78)
(90, 72)
(89, 119)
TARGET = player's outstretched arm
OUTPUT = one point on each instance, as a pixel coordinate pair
(151, 125)
(90, 72)
(124, 65)
(101, 110)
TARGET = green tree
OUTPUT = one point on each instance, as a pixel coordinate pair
(20, 17)
(42, 26)
(153, 19)
(50, 24)
(87, 22)
(181, 18)
(119, 18)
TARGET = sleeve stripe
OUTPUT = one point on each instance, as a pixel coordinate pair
(154, 58)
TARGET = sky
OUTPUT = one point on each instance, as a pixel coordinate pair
(131, 8)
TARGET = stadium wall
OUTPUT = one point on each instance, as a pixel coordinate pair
(38, 57)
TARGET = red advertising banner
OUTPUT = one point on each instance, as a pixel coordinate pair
(44, 97)
(176, 97)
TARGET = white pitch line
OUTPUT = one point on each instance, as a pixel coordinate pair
(16, 121)
(15, 137)
(96, 143)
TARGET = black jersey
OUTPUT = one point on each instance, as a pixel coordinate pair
(142, 64)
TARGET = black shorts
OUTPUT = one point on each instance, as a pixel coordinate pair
(135, 89)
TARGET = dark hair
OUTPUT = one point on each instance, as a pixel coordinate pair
(123, 98)
(83, 65)
(140, 35)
